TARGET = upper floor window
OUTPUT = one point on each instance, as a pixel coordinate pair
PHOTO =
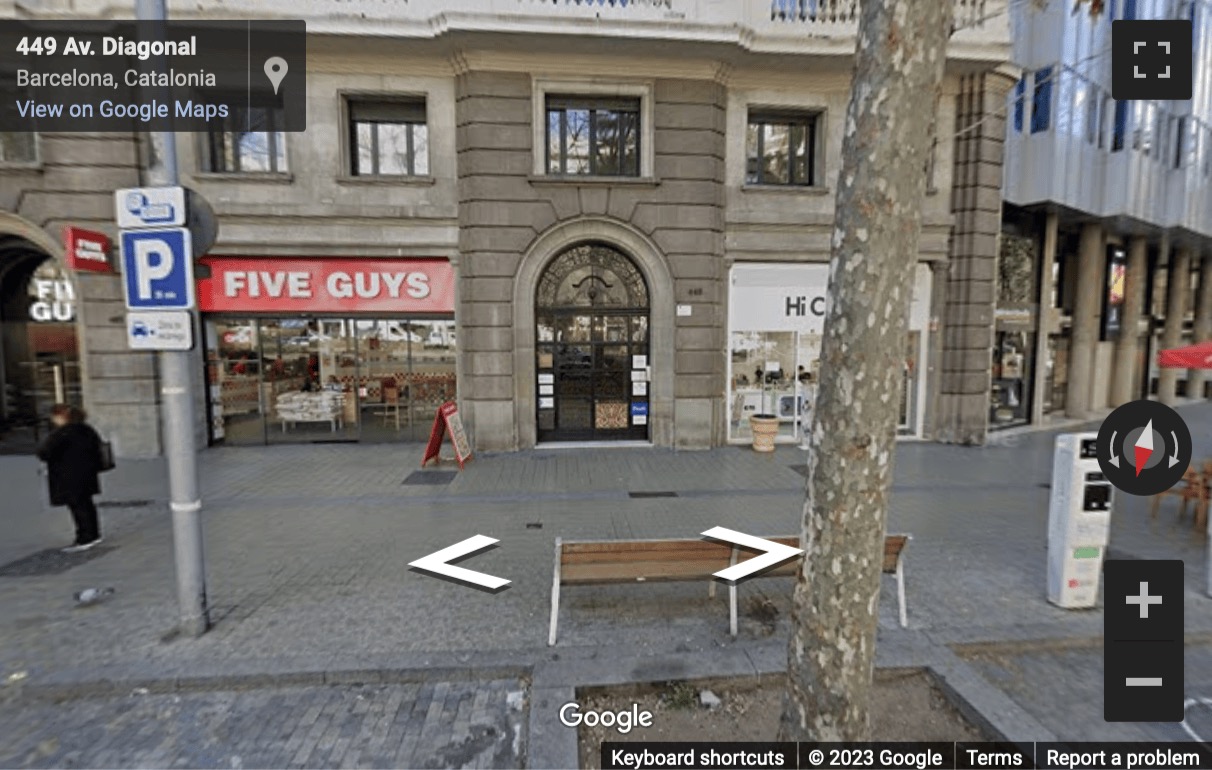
(780, 149)
(1120, 128)
(1094, 101)
(248, 141)
(1041, 104)
(593, 136)
(388, 138)
(1020, 88)
(18, 147)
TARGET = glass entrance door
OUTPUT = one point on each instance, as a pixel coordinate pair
(591, 347)
(598, 367)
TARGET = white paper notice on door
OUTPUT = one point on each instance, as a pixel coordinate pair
(639, 419)
(639, 375)
(639, 362)
(546, 379)
(547, 403)
(639, 388)
(547, 390)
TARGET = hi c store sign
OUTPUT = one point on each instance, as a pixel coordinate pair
(290, 285)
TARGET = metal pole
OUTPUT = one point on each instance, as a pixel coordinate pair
(177, 409)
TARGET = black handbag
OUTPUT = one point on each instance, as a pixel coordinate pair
(107, 457)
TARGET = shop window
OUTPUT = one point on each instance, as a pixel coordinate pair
(388, 138)
(593, 136)
(780, 149)
(307, 379)
(1015, 322)
(776, 320)
(1041, 104)
(247, 141)
(1009, 397)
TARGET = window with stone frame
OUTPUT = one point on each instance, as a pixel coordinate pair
(248, 141)
(781, 148)
(18, 147)
(388, 137)
(593, 136)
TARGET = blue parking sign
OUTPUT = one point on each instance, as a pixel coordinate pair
(157, 268)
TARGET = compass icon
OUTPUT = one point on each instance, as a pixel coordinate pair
(1144, 447)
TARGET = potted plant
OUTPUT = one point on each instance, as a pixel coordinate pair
(765, 427)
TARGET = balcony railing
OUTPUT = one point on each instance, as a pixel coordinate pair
(768, 26)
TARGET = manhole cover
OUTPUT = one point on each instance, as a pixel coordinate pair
(639, 495)
(430, 478)
(52, 562)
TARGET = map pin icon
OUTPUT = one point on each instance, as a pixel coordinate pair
(275, 70)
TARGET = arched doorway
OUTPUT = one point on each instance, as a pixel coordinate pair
(39, 355)
(591, 347)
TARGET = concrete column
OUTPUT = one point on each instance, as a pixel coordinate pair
(1087, 306)
(1203, 325)
(1045, 318)
(1124, 383)
(1178, 286)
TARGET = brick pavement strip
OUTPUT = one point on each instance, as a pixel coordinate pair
(302, 726)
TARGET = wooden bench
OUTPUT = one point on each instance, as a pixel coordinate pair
(600, 562)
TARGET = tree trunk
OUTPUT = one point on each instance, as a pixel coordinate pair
(889, 130)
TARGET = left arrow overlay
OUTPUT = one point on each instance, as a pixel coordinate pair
(438, 562)
(774, 553)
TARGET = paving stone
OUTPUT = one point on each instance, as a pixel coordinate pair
(306, 727)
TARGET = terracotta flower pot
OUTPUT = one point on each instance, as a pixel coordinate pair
(765, 427)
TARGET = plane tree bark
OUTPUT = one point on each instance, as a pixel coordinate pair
(888, 132)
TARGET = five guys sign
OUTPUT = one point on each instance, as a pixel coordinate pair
(86, 249)
(326, 285)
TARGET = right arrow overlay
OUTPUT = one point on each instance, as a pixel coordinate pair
(438, 563)
(774, 553)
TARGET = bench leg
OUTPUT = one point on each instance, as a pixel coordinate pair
(555, 613)
(732, 609)
(555, 596)
(900, 592)
(732, 595)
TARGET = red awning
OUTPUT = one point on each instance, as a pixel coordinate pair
(1191, 357)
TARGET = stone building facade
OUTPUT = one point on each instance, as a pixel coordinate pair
(659, 285)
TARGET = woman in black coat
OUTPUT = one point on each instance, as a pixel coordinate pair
(72, 453)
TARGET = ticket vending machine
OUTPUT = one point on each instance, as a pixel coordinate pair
(1079, 518)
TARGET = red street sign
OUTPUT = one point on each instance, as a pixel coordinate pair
(86, 250)
(447, 420)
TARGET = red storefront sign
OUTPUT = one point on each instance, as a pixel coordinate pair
(326, 285)
(86, 249)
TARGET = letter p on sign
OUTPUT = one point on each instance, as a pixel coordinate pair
(154, 262)
(157, 268)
